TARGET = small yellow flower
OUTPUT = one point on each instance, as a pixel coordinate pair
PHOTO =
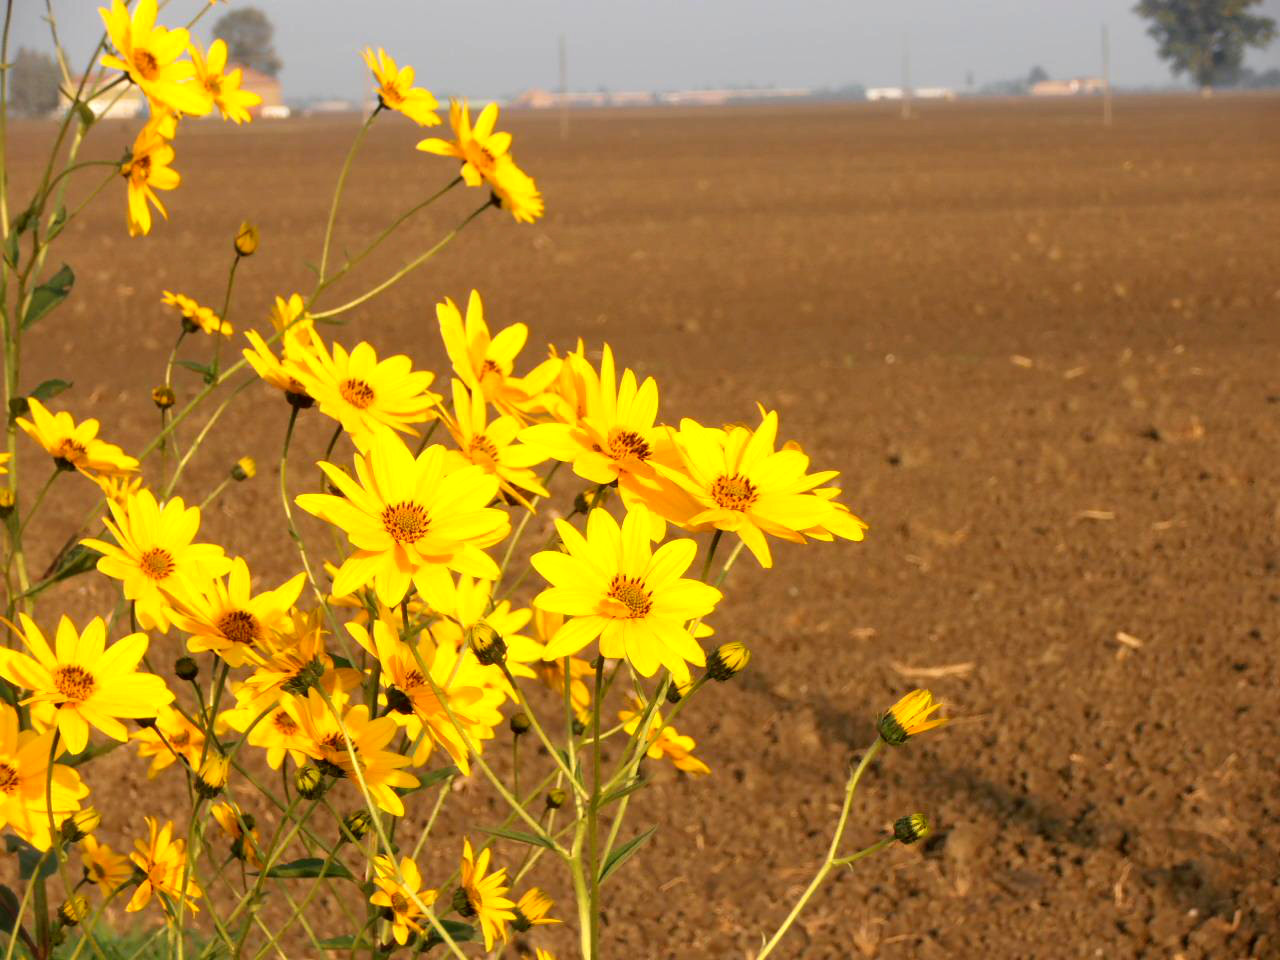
(400, 896)
(195, 317)
(397, 92)
(245, 469)
(83, 683)
(223, 89)
(118, 489)
(242, 830)
(24, 775)
(669, 743)
(79, 826)
(162, 861)
(484, 897)
(486, 158)
(104, 866)
(493, 446)
(74, 444)
(532, 909)
(148, 169)
(72, 910)
(411, 520)
(728, 660)
(910, 716)
(247, 237)
(149, 55)
(171, 738)
(281, 374)
(364, 393)
(213, 775)
(289, 317)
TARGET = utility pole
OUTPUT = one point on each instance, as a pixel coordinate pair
(906, 77)
(564, 90)
(1106, 76)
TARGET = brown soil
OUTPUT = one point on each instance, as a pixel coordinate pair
(1044, 355)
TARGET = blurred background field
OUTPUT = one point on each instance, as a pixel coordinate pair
(1045, 355)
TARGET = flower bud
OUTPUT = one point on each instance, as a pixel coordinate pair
(309, 782)
(520, 723)
(357, 824)
(213, 775)
(244, 469)
(163, 397)
(186, 668)
(462, 903)
(304, 679)
(727, 660)
(908, 717)
(80, 824)
(299, 401)
(6, 501)
(246, 242)
(910, 829)
(556, 798)
(487, 644)
(399, 701)
(578, 727)
(73, 910)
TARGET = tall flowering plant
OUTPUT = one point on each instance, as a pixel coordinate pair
(320, 722)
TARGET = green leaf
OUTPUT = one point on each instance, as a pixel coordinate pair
(346, 942)
(85, 113)
(625, 853)
(56, 224)
(310, 867)
(22, 221)
(93, 752)
(632, 787)
(48, 295)
(76, 560)
(50, 389)
(29, 858)
(200, 368)
(460, 932)
(430, 779)
(8, 907)
(519, 837)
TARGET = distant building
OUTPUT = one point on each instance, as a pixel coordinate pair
(119, 103)
(1067, 88)
(268, 88)
(544, 99)
(917, 93)
(884, 93)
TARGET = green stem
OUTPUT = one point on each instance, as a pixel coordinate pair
(337, 195)
(593, 811)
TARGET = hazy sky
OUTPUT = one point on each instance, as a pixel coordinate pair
(503, 47)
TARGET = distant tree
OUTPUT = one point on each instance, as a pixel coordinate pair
(1206, 39)
(248, 36)
(1038, 74)
(33, 83)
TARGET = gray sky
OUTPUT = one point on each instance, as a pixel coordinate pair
(672, 44)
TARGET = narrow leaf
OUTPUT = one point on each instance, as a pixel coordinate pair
(310, 867)
(621, 792)
(519, 837)
(29, 858)
(429, 779)
(625, 852)
(48, 295)
(50, 389)
(460, 932)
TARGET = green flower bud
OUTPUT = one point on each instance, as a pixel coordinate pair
(556, 798)
(727, 660)
(186, 668)
(357, 824)
(309, 782)
(910, 829)
(72, 911)
(487, 644)
(80, 824)
(520, 723)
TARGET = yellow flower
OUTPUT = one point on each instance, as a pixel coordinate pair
(103, 866)
(910, 716)
(76, 445)
(493, 446)
(280, 733)
(471, 605)
(24, 773)
(363, 393)
(616, 587)
(195, 317)
(172, 737)
(149, 55)
(153, 549)
(485, 155)
(289, 317)
(397, 92)
(83, 683)
(381, 769)
(240, 827)
(410, 520)
(223, 88)
(615, 437)
(410, 695)
(280, 374)
(532, 909)
(4, 458)
(148, 169)
(291, 659)
(486, 363)
(743, 485)
(400, 896)
(224, 618)
(484, 897)
(162, 861)
(118, 489)
(668, 743)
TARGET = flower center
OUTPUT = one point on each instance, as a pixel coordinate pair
(146, 63)
(284, 723)
(734, 492)
(213, 83)
(357, 393)
(407, 522)
(9, 779)
(479, 157)
(399, 904)
(627, 598)
(157, 563)
(240, 626)
(74, 683)
(627, 443)
(69, 450)
(481, 446)
(181, 739)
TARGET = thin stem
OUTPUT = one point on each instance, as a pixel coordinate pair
(337, 194)
(593, 810)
